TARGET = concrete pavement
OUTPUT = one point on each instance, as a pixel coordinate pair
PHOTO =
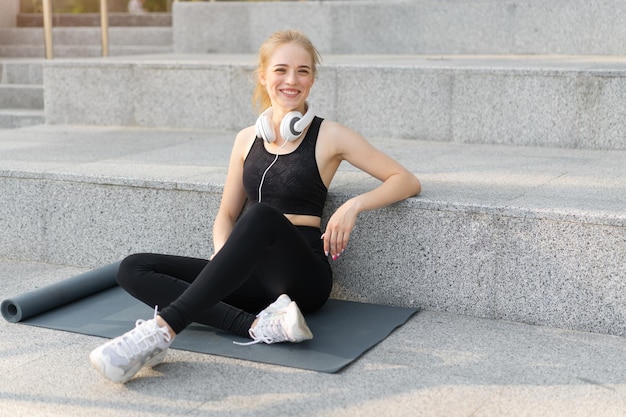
(437, 365)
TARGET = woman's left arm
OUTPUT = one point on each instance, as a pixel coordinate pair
(397, 184)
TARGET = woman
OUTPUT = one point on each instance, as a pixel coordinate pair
(274, 253)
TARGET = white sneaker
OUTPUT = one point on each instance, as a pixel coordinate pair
(121, 358)
(156, 359)
(284, 324)
(281, 302)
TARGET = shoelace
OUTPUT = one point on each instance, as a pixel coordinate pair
(268, 330)
(141, 338)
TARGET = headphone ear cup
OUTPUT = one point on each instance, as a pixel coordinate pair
(288, 129)
(263, 127)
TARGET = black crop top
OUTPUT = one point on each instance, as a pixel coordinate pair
(292, 185)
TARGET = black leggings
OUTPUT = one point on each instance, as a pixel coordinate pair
(265, 256)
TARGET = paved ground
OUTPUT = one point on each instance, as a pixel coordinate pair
(436, 365)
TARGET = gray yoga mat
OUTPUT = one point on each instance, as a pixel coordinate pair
(91, 303)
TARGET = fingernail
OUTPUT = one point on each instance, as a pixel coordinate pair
(334, 257)
(326, 252)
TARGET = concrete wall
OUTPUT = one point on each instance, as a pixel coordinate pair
(555, 103)
(413, 27)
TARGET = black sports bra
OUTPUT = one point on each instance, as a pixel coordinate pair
(292, 185)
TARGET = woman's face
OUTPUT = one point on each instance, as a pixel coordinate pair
(288, 77)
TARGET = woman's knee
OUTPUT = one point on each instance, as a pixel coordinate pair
(261, 211)
(129, 268)
(260, 218)
(265, 215)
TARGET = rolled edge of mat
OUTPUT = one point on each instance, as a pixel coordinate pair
(11, 311)
(29, 304)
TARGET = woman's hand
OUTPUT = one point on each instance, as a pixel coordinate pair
(339, 228)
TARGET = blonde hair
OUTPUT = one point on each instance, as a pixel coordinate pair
(260, 98)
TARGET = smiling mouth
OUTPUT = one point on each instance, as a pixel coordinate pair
(290, 93)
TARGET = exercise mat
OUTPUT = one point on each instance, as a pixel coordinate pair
(55, 295)
(343, 330)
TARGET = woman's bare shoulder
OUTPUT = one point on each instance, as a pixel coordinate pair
(244, 140)
(337, 135)
(246, 134)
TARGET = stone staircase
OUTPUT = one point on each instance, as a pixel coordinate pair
(511, 114)
(22, 51)
(80, 35)
(21, 93)
(72, 42)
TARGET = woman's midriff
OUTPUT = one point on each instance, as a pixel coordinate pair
(304, 220)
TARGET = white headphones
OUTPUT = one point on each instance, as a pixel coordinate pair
(291, 127)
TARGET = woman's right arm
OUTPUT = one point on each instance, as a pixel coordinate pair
(234, 195)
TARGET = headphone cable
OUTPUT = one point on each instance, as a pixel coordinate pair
(268, 168)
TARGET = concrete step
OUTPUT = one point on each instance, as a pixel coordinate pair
(93, 19)
(21, 96)
(85, 41)
(16, 118)
(21, 93)
(554, 101)
(83, 51)
(154, 36)
(576, 27)
(529, 234)
(21, 71)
